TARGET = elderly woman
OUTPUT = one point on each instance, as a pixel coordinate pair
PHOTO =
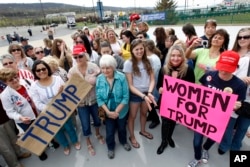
(8, 61)
(43, 90)
(23, 62)
(17, 102)
(112, 95)
(88, 106)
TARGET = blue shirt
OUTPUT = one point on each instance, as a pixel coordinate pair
(120, 92)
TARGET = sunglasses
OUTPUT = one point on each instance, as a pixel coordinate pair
(8, 63)
(41, 69)
(77, 42)
(39, 52)
(76, 57)
(14, 50)
(243, 37)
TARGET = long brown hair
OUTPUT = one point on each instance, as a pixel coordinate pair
(236, 46)
(144, 60)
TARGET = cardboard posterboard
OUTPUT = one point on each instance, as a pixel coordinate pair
(202, 109)
(57, 112)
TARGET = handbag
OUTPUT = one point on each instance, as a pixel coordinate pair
(244, 110)
(101, 111)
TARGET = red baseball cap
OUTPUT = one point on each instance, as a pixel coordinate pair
(228, 61)
(79, 49)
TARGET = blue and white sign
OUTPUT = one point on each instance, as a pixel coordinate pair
(154, 16)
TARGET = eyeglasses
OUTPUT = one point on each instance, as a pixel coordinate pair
(14, 78)
(243, 37)
(79, 42)
(41, 69)
(14, 50)
(8, 63)
(38, 52)
(76, 57)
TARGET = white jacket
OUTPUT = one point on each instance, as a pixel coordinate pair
(15, 104)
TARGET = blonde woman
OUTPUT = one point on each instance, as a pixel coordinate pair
(176, 67)
(23, 62)
(115, 44)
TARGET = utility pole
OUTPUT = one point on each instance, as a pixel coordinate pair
(42, 9)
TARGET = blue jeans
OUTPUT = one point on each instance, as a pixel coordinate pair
(70, 129)
(84, 115)
(234, 143)
(111, 126)
(226, 141)
(197, 143)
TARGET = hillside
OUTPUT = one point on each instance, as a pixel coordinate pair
(37, 9)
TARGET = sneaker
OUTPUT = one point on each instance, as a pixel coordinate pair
(111, 154)
(193, 163)
(127, 147)
(204, 156)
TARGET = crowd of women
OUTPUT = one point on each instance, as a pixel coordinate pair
(126, 71)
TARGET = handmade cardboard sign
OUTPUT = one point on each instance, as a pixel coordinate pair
(57, 112)
(202, 109)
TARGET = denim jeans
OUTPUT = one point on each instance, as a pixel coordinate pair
(111, 126)
(70, 129)
(226, 141)
(197, 143)
(242, 125)
(84, 115)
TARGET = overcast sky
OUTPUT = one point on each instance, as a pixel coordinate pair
(118, 3)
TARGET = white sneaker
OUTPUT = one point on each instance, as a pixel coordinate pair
(193, 163)
(204, 156)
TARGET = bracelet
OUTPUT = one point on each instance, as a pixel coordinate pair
(143, 97)
(150, 92)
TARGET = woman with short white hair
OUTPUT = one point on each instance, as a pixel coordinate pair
(112, 94)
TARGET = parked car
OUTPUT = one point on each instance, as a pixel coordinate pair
(105, 20)
(53, 25)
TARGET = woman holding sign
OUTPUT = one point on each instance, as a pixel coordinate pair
(176, 67)
(140, 76)
(43, 90)
(88, 105)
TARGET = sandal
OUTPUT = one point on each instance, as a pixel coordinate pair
(134, 144)
(91, 150)
(66, 151)
(77, 146)
(100, 139)
(147, 135)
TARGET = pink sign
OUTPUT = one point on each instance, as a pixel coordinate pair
(202, 109)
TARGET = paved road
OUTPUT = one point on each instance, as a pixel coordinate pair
(61, 30)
